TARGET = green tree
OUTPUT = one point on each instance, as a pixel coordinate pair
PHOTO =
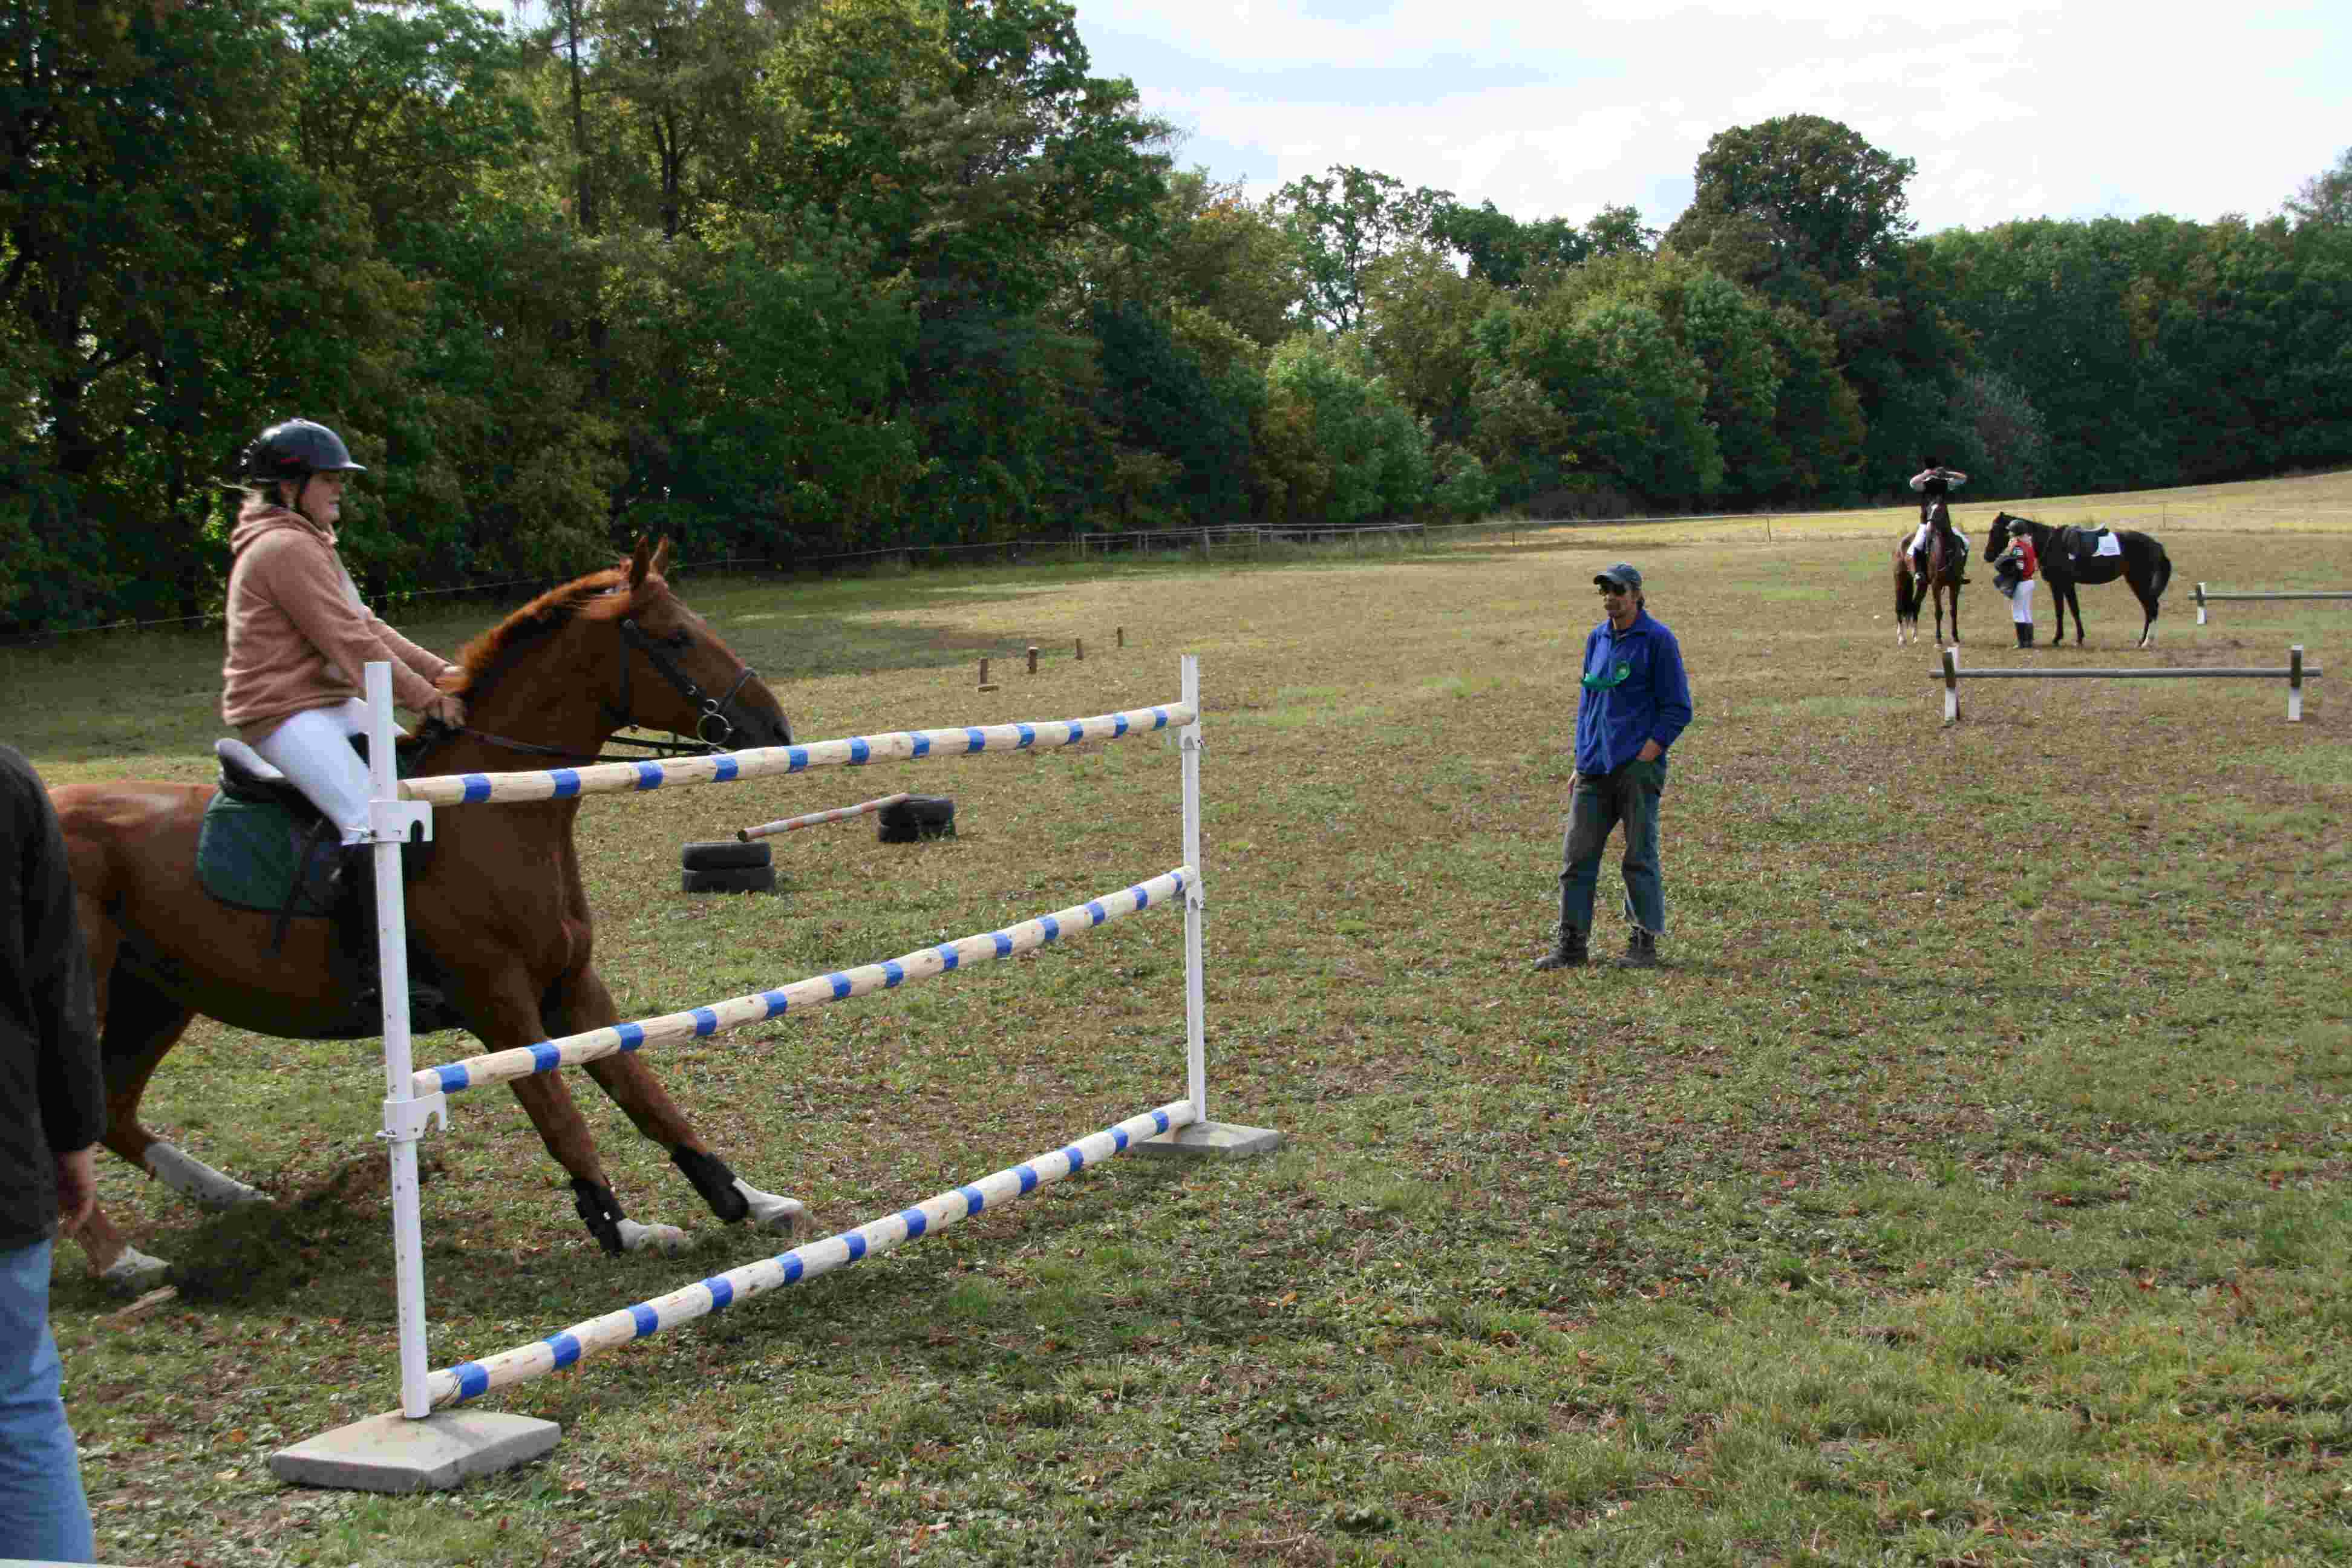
(409, 107)
(1622, 393)
(1209, 252)
(164, 252)
(2325, 198)
(1419, 323)
(1378, 457)
(1498, 249)
(1794, 204)
(1340, 224)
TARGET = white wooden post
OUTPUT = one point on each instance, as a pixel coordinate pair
(404, 1116)
(2295, 684)
(2200, 603)
(1951, 686)
(1188, 741)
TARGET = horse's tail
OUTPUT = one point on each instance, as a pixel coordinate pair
(2163, 569)
(1906, 588)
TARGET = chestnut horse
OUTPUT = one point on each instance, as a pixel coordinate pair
(496, 911)
(1912, 588)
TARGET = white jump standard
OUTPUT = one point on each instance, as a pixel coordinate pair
(2295, 673)
(420, 1446)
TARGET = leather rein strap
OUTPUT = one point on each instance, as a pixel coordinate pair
(720, 712)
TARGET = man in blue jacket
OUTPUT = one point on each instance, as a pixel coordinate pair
(1633, 701)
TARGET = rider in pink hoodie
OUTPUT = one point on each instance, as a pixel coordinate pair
(299, 639)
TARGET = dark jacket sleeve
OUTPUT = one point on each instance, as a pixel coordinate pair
(59, 1023)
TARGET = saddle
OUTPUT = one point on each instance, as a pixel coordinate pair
(2081, 545)
(264, 847)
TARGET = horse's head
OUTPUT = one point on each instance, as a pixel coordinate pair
(1997, 536)
(676, 674)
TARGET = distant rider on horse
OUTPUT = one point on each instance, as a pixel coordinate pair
(1934, 482)
(300, 640)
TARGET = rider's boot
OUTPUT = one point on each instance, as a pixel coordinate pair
(355, 939)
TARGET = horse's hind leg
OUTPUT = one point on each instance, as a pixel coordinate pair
(138, 1026)
(586, 1004)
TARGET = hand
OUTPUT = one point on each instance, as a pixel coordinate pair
(1650, 753)
(77, 1189)
(448, 709)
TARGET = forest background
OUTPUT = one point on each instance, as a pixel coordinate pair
(789, 281)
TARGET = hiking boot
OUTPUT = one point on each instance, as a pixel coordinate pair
(1640, 951)
(2025, 635)
(1569, 952)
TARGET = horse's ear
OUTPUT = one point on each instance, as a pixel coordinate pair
(660, 567)
(640, 561)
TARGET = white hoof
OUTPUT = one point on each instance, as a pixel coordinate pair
(134, 1273)
(192, 1178)
(635, 1238)
(776, 1214)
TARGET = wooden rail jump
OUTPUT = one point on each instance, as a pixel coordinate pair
(2295, 673)
(2205, 595)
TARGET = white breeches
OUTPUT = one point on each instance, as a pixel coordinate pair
(1919, 540)
(313, 748)
(2021, 604)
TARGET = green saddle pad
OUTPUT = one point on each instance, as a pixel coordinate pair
(253, 855)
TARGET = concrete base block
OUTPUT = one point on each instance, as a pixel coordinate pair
(390, 1453)
(1210, 1140)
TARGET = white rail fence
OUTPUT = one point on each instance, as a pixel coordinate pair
(416, 1447)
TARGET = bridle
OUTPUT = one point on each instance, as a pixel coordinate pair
(717, 721)
(720, 714)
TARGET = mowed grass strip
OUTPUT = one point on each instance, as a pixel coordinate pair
(1971, 1188)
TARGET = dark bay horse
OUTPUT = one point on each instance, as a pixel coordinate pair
(1912, 587)
(2143, 564)
(495, 907)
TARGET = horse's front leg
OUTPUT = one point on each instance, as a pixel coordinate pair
(586, 1004)
(508, 1019)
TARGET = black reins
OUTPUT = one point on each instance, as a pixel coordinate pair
(718, 710)
(721, 713)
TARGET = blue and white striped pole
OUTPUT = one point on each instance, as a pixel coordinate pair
(762, 762)
(470, 1380)
(757, 1007)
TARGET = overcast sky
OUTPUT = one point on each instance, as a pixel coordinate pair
(2011, 110)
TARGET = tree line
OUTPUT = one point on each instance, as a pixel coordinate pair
(797, 279)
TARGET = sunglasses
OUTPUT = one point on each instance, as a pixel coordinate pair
(1610, 591)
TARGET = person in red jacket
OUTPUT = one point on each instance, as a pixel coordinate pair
(2015, 571)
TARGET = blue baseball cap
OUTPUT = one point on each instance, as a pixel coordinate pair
(1618, 576)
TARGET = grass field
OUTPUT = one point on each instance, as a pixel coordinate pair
(1973, 1187)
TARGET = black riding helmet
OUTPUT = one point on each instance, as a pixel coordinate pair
(295, 450)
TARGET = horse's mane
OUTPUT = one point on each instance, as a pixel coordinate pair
(600, 596)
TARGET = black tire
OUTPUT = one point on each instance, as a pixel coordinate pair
(731, 880)
(726, 854)
(917, 817)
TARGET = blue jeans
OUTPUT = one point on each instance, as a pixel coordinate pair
(1601, 801)
(43, 1514)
